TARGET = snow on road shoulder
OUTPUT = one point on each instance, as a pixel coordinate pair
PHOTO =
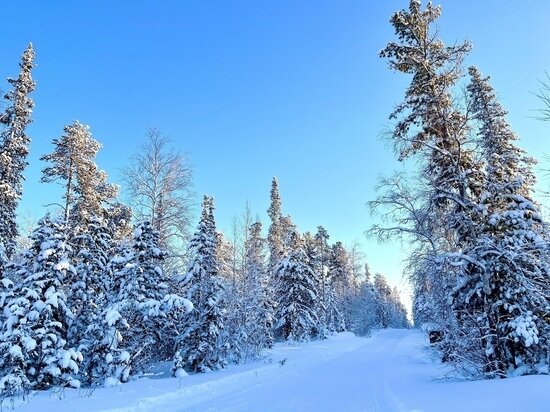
(416, 383)
(165, 393)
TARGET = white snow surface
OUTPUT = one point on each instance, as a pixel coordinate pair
(391, 371)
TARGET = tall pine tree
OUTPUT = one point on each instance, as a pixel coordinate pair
(431, 127)
(73, 163)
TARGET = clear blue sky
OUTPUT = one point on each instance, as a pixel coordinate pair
(253, 89)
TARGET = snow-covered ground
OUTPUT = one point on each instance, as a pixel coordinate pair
(391, 371)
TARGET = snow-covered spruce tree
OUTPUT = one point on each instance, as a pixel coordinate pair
(14, 148)
(313, 260)
(431, 127)
(502, 299)
(382, 299)
(296, 315)
(334, 320)
(339, 270)
(73, 163)
(93, 220)
(6, 286)
(200, 348)
(427, 295)
(318, 254)
(275, 231)
(234, 330)
(288, 228)
(362, 308)
(388, 309)
(34, 349)
(87, 296)
(118, 217)
(141, 296)
(257, 305)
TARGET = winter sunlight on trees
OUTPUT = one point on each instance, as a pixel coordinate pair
(124, 287)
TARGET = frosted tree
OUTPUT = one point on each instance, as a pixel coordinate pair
(398, 312)
(118, 218)
(34, 349)
(257, 305)
(361, 309)
(200, 348)
(339, 269)
(429, 125)
(142, 297)
(26, 224)
(106, 359)
(296, 316)
(314, 261)
(6, 288)
(240, 236)
(225, 255)
(288, 228)
(333, 318)
(73, 164)
(14, 148)
(275, 235)
(159, 186)
(234, 319)
(87, 297)
(502, 297)
(382, 296)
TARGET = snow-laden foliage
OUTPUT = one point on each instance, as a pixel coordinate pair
(73, 164)
(34, 349)
(14, 149)
(87, 297)
(275, 231)
(257, 304)
(367, 304)
(479, 267)
(231, 275)
(502, 296)
(140, 295)
(429, 125)
(200, 347)
(297, 288)
(6, 284)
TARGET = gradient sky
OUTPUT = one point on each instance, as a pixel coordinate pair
(255, 89)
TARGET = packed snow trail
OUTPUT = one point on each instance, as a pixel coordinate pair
(389, 372)
(351, 381)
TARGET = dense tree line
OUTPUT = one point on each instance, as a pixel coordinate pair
(101, 291)
(480, 266)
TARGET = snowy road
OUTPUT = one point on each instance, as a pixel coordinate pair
(354, 381)
(390, 372)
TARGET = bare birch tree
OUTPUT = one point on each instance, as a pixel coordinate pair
(158, 184)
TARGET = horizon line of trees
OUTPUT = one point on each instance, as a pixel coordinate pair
(104, 290)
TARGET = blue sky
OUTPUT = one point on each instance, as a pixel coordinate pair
(252, 90)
